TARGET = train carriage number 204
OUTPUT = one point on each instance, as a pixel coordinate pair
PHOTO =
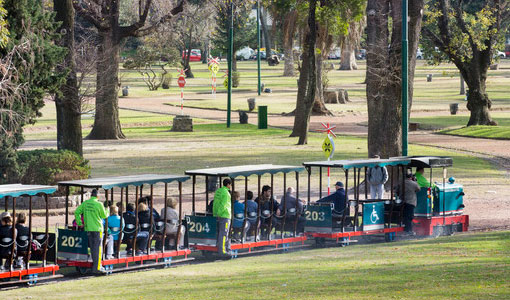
(198, 227)
(314, 215)
(71, 241)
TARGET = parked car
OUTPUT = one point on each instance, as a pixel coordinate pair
(334, 53)
(419, 54)
(500, 54)
(196, 55)
(245, 53)
(362, 54)
(263, 54)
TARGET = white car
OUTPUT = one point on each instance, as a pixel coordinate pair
(245, 53)
(419, 54)
(500, 54)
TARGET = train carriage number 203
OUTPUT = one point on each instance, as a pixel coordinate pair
(71, 241)
(198, 227)
(315, 215)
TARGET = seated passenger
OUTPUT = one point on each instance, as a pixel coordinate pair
(240, 226)
(252, 210)
(6, 239)
(22, 237)
(147, 201)
(268, 206)
(292, 208)
(113, 231)
(172, 225)
(338, 198)
(144, 222)
(129, 227)
(420, 179)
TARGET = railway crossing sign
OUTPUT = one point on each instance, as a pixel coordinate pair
(328, 146)
(215, 68)
(181, 81)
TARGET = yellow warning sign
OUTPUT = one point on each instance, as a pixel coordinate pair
(328, 146)
(215, 68)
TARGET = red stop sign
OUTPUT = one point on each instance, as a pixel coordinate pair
(181, 81)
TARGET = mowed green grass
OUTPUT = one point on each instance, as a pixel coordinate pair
(468, 266)
(158, 150)
(489, 132)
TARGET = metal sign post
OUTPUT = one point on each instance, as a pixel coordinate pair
(328, 146)
(182, 82)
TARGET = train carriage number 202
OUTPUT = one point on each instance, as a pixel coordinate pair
(71, 241)
(315, 215)
(198, 227)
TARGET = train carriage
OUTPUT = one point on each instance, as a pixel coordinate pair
(440, 205)
(36, 249)
(361, 216)
(202, 225)
(72, 243)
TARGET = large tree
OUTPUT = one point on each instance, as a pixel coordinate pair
(67, 101)
(350, 42)
(307, 79)
(285, 16)
(27, 71)
(384, 72)
(105, 16)
(467, 31)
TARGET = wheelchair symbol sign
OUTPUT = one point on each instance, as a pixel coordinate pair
(373, 216)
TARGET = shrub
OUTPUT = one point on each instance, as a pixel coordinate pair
(48, 167)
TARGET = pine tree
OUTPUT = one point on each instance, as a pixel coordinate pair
(31, 34)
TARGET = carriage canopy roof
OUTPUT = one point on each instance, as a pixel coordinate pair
(360, 163)
(16, 190)
(427, 161)
(123, 181)
(246, 170)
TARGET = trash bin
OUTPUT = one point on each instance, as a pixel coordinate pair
(251, 103)
(429, 77)
(125, 91)
(454, 107)
(263, 117)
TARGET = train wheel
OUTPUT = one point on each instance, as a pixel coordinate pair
(344, 242)
(320, 242)
(83, 270)
(207, 254)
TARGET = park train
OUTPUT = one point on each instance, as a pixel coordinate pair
(439, 211)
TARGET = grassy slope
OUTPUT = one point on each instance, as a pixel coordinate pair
(490, 132)
(473, 266)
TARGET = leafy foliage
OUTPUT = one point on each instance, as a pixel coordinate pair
(32, 31)
(49, 166)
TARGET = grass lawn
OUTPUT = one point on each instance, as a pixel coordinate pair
(158, 150)
(490, 132)
(468, 266)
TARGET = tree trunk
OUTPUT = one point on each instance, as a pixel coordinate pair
(462, 86)
(187, 67)
(307, 81)
(289, 27)
(384, 73)
(68, 105)
(478, 99)
(106, 120)
(348, 57)
(265, 33)
(319, 106)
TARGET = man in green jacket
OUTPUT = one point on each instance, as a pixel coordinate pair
(222, 210)
(93, 214)
(420, 179)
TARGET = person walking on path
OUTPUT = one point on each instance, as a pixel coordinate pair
(222, 210)
(93, 214)
(377, 177)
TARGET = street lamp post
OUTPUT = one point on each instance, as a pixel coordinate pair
(258, 47)
(405, 71)
(229, 59)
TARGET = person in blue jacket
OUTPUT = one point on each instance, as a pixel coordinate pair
(338, 198)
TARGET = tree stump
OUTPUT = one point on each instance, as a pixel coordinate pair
(182, 124)
(343, 96)
(494, 67)
(331, 97)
